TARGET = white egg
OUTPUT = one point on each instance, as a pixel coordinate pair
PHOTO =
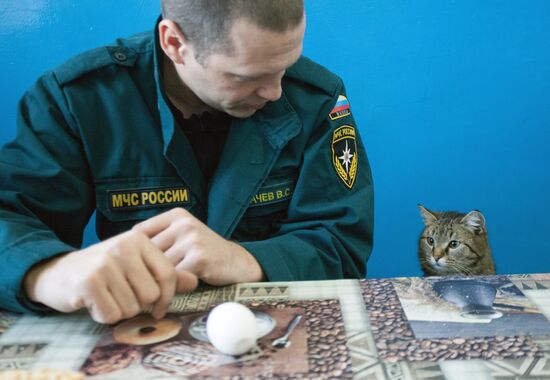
(231, 328)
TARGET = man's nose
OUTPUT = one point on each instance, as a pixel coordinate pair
(271, 91)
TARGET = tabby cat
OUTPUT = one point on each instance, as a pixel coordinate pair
(454, 244)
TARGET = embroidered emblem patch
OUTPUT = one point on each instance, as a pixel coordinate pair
(341, 108)
(344, 154)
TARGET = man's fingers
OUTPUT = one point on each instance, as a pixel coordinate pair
(153, 226)
(165, 275)
(123, 293)
(164, 239)
(166, 294)
(186, 282)
(175, 255)
(143, 284)
(102, 306)
(190, 265)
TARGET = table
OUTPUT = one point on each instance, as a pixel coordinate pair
(490, 327)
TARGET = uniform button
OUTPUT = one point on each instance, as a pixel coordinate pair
(119, 56)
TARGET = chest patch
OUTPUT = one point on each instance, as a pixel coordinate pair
(144, 198)
(344, 154)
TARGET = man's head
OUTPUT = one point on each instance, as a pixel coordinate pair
(232, 54)
(206, 24)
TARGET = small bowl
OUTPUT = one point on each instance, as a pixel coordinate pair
(475, 298)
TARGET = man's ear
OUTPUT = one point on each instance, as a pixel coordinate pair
(172, 41)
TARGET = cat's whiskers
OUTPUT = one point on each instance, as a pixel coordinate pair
(459, 267)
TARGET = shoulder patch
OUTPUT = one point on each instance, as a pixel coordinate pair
(93, 60)
(340, 109)
(344, 154)
(314, 74)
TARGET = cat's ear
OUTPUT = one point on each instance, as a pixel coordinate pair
(427, 215)
(474, 220)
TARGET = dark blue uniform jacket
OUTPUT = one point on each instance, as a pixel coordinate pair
(293, 184)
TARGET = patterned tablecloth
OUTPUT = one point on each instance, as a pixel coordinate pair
(494, 327)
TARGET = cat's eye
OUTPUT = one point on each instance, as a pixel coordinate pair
(430, 241)
(453, 244)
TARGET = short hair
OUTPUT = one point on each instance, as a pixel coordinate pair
(206, 24)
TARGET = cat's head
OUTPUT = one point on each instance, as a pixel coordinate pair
(452, 242)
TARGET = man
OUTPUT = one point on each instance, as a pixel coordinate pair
(210, 150)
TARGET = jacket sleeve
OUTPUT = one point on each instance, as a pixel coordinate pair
(45, 193)
(328, 233)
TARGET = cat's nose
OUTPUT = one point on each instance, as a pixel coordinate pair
(438, 254)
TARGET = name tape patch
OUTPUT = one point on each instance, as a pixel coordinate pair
(272, 194)
(144, 198)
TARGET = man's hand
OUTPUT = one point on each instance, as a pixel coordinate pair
(192, 246)
(114, 279)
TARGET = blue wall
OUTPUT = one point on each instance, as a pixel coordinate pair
(452, 98)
